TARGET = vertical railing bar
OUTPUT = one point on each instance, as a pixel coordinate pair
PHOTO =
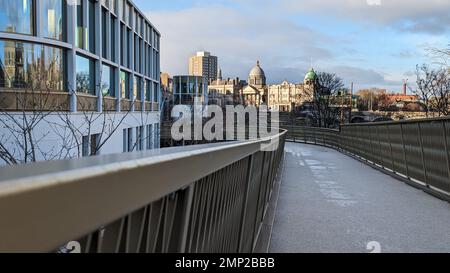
(371, 143)
(422, 151)
(221, 232)
(404, 152)
(186, 218)
(160, 223)
(172, 220)
(379, 147)
(203, 205)
(195, 213)
(149, 228)
(166, 219)
(390, 146)
(256, 224)
(237, 209)
(232, 239)
(226, 224)
(141, 231)
(216, 217)
(215, 206)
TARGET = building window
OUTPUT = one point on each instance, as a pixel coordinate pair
(90, 145)
(124, 85)
(113, 6)
(85, 73)
(16, 16)
(155, 92)
(26, 65)
(113, 39)
(91, 29)
(104, 33)
(136, 87)
(124, 140)
(85, 36)
(130, 140)
(79, 37)
(137, 56)
(108, 81)
(148, 90)
(130, 16)
(123, 55)
(52, 18)
(129, 48)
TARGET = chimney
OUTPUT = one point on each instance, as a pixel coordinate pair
(405, 87)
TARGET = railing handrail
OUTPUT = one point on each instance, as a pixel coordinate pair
(90, 189)
(419, 120)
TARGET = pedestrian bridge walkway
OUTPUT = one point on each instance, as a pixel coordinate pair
(330, 202)
(237, 196)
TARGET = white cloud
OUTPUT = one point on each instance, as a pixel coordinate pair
(238, 38)
(255, 30)
(430, 16)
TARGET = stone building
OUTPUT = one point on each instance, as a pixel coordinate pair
(226, 91)
(287, 97)
(255, 93)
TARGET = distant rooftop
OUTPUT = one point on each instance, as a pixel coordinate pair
(203, 54)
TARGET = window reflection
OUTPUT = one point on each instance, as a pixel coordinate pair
(51, 19)
(107, 82)
(25, 65)
(16, 16)
(85, 75)
(124, 85)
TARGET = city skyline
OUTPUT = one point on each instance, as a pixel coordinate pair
(372, 43)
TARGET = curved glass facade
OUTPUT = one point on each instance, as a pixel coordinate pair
(17, 16)
(26, 65)
(109, 49)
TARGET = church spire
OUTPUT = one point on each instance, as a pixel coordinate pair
(219, 74)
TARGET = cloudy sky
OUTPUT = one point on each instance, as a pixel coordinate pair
(374, 43)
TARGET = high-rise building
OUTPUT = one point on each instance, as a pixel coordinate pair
(203, 64)
(80, 56)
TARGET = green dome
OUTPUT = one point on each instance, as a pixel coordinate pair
(311, 75)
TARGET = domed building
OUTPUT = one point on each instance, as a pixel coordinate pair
(310, 77)
(255, 93)
(257, 77)
(288, 97)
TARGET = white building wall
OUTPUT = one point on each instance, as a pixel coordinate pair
(54, 139)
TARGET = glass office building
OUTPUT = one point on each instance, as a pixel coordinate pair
(100, 50)
(190, 90)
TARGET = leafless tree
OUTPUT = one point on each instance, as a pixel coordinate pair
(441, 56)
(21, 112)
(325, 105)
(433, 89)
(29, 116)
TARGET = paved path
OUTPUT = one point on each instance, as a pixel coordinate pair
(330, 202)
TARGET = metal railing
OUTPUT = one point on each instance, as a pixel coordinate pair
(205, 198)
(417, 150)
